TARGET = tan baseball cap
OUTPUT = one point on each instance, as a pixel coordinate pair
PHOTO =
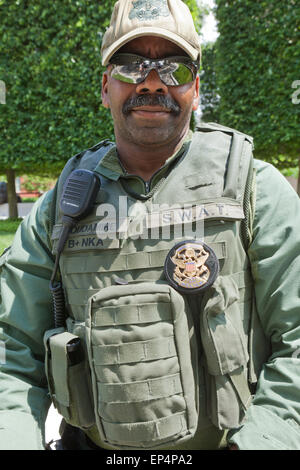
(169, 19)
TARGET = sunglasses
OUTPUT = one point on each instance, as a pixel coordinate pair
(173, 71)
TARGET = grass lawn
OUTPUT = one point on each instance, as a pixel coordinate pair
(7, 231)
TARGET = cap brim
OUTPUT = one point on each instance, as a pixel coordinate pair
(159, 32)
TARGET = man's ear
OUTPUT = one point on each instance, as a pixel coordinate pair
(196, 99)
(104, 90)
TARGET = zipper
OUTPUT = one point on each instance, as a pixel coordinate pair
(146, 184)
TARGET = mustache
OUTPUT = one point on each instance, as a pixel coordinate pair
(151, 100)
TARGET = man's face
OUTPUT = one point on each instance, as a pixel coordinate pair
(150, 121)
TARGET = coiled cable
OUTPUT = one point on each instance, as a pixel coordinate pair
(58, 297)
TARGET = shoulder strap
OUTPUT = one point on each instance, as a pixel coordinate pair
(239, 178)
(213, 126)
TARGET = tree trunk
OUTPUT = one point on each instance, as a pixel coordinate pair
(11, 194)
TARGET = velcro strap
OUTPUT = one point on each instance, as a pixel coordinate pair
(140, 391)
(241, 386)
(137, 432)
(140, 351)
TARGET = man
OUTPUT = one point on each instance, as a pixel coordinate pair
(180, 283)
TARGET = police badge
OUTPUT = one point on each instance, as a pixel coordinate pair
(191, 267)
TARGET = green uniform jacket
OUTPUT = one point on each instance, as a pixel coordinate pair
(272, 421)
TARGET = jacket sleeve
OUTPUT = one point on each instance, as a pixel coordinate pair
(272, 421)
(25, 314)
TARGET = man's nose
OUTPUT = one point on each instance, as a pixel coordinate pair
(152, 84)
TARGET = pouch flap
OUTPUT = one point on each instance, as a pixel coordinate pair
(222, 329)
(57, 345)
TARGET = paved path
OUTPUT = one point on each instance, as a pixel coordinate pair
(23, 208)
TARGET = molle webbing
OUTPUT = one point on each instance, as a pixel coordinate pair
(127, 261)
(144, 386)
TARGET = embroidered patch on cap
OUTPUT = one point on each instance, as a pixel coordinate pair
(147, 10)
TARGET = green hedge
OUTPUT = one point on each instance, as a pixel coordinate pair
(258, 59)
(50, 62)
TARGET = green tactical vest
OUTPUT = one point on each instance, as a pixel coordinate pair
(159, 366)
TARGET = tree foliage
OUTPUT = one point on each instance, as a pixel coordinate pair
(258, 60)
(51, 66)
(210, 97)
(198, 10)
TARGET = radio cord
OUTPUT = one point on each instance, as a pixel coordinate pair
(58, 298)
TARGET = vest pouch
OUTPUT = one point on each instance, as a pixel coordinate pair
(141, 348)
(226, 355)
(68, 376)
